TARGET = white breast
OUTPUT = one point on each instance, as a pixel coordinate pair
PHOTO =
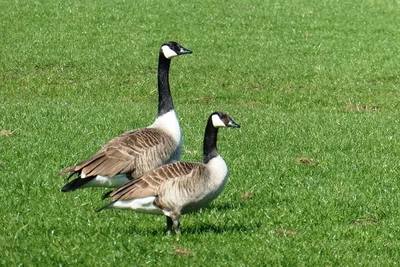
(169, 123)
(202, 194)
(218, 171)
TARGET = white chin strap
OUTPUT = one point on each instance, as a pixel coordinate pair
(168, 52)
(217, 122)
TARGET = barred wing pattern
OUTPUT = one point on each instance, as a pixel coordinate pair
(134, 152)
(158, 182)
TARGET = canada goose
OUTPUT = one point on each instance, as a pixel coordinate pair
(137, 151)
(180, 187)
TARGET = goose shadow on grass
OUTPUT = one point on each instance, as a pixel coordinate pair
(218, 226)
(204, 228)
(200, 228)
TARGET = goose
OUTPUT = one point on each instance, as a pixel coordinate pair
(137, 151)
(179, 187)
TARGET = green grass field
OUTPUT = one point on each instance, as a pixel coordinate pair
(313, 170)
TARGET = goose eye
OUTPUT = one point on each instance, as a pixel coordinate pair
(225, 119)
(174, 47)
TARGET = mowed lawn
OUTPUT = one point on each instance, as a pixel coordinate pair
(314, 169)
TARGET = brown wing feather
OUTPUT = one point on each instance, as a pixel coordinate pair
(135, 151)
(150, 183)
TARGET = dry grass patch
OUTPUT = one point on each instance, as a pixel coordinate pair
(364, 221)
(254, 87)
(285, 233)
(246, 195)
(6, 133)
(182, 252)
(252, 104)
(307, 161)
(363, 108)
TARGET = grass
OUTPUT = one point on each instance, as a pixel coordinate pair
(313, 170)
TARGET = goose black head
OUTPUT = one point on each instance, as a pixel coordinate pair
(222, 119)
(172, 49)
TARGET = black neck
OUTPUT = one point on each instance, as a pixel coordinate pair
(165, 103)
(210, 142)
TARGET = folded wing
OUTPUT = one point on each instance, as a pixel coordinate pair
(134, 152)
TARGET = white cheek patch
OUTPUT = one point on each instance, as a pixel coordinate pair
(217, 122)
(168, 52)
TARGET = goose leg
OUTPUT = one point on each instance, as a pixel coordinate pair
(175, 222)
(169, 225)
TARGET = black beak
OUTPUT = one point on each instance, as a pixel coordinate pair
(183, 51)
(233, 124)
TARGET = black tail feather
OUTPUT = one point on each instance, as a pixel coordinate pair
(76, 183)
(69, 176)
(104, 207)
(106, 195)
